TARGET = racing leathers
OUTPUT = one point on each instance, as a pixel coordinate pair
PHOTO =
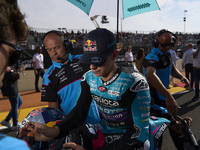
(124, 105)
(61, 83)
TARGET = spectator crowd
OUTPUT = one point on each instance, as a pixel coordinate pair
(126, 38)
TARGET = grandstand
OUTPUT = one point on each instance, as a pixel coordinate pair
(135, 39)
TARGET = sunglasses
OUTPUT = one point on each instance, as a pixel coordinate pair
(13, 55)
(166, 44)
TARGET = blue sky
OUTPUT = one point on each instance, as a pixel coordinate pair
(53, 14)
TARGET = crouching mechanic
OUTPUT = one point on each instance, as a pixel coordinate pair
(122, 97)
(61, 81)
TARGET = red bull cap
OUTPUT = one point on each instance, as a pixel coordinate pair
(97, 46)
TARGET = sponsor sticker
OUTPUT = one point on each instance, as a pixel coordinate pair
(102, 89)
(137, 131)
(95, 60)
(111, 92)
(90, 46)
(160, 131)
(111, 80)
(139, 85)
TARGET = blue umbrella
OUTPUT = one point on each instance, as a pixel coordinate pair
(117, 8)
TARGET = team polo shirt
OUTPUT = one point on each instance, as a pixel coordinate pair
(162, 62)
(61, 83)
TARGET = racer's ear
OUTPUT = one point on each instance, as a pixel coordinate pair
(115, 53)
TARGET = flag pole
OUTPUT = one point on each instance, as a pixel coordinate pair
(117, 21)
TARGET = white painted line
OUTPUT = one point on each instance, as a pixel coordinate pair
(181, 92)
(1, 128)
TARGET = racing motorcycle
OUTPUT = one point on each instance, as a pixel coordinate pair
(88, 134)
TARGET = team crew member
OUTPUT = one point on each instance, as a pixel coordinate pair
(158, 67)
(122, 97)
(61, 81)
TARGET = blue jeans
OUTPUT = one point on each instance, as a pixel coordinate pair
(15, 102)
(196, 80)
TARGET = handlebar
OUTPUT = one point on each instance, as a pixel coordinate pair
(188, 133)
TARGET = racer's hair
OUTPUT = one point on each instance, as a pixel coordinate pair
(12, 21)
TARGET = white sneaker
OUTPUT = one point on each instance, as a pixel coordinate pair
(16, 127)
(6, 123)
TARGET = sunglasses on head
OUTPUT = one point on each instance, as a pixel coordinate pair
(166, 44)
(13, 55)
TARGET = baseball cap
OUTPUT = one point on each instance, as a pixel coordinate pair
(97, 46)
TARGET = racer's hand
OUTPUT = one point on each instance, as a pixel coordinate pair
(186, 81)
(188, 119)
(74, 146)
(42, 132)
(172, 106)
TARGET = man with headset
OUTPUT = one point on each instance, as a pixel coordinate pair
(158, 67)
(61, 81)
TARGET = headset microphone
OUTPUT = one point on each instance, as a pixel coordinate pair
(62, 56)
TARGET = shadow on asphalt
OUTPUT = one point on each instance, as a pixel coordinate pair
(186, 107)
(5, 97)
(33, 92)
(185, 102)
(176, 96)
(5, 131)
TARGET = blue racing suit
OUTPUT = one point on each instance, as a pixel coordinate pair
(124, 105)
(61, 83)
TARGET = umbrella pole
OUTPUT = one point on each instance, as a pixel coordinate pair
(117, 21)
